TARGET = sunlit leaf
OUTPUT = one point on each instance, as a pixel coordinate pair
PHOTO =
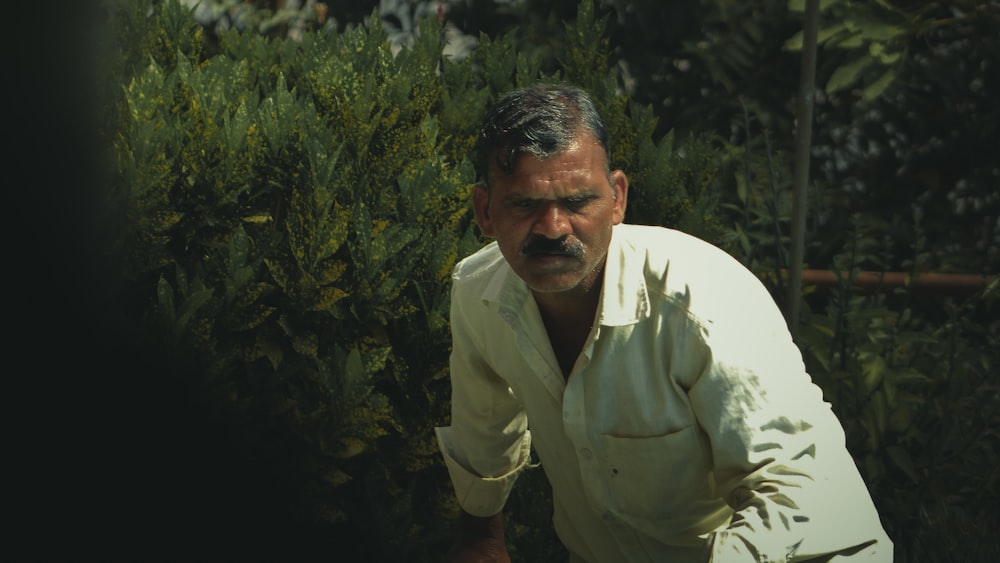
(349, 447)
(800, 5)
(885, 56)
(873, 28)
(875, 89)
(846, 40)
(904, 376)
(874, 371)
(847, 74)
(336, 477)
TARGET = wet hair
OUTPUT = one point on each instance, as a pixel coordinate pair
(541, 120)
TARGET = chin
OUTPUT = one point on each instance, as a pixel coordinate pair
(541, 285)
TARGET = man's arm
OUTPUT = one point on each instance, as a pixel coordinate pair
(488, 442)
(779, 451)
(480, 540)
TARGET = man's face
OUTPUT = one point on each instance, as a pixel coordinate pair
(552, 218)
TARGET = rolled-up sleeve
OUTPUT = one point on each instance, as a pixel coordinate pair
(488, 442)
(478, 495)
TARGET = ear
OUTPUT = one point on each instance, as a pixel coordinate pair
(619, 188)
(481, 208)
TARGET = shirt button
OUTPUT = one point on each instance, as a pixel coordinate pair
(586, 453)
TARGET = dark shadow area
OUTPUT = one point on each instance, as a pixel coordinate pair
(112, 457)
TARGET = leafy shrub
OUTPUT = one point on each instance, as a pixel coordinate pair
(289, 214)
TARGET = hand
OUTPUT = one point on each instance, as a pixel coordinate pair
(480, 540)
(486, 550)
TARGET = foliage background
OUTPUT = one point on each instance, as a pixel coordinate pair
(211, 383)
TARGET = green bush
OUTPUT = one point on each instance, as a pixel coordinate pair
(289, 212)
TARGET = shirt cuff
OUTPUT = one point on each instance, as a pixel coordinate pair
(477, 495)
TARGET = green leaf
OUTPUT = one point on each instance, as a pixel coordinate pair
(355, 376)
(165, 298)
(991, 288)
(902, 376)
(847, 74)
(363, 235)
(190, 306)
(442, 256)
(376, 359)
(795, 42)
(874, 370)
(239, 250)
(885, 56)
(846, 41)
(873, 28)
(799, 6)
(348, 447)
(741, 187)
(876, 88)
(828, 33)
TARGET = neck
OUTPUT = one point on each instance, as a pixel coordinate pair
(577, 306)
(569, 318)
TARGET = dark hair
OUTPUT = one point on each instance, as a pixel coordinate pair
(540, 120)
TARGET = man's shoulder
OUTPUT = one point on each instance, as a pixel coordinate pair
(478, 265)
(666, 242)
(674, 261)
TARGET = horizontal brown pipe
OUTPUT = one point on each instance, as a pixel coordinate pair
(926, 283)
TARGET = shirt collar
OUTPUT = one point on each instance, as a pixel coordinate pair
(624, 297)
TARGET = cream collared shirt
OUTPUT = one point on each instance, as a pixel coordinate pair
(688, 429)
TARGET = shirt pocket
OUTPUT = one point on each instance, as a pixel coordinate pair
(665, 477)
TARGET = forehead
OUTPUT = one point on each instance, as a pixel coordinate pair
(576, 166)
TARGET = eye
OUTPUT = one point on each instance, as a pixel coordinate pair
(523, 203)
(576, 203)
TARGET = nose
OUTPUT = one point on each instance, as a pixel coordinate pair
(551, 222)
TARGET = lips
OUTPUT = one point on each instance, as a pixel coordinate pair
(548, 255)
(542, 247)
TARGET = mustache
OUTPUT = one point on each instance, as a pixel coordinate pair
(561, 246)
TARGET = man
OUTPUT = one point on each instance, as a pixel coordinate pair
(666, 401)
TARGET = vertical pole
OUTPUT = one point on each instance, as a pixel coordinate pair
(803, 143)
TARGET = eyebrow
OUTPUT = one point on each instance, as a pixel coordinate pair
(576, 198)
